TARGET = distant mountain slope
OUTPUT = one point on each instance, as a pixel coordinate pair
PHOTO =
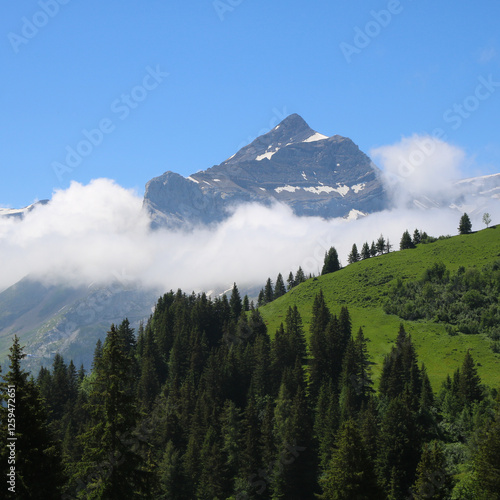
(20, 212)
(363, 287)
(50, 319)
(292, 164)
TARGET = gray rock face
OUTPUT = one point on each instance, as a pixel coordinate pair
(292, 164)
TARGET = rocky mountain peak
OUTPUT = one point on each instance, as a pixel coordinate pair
(292, 164)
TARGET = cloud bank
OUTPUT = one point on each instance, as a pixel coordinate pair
(98, 233)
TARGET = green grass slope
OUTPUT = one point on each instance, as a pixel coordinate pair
(363, 288)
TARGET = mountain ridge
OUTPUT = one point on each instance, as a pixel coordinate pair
(292, 164)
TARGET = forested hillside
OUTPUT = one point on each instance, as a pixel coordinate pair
(206, 401)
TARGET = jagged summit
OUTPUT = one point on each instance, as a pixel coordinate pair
(293, 164)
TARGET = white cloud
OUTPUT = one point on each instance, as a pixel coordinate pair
(419, 165)
(98, 232)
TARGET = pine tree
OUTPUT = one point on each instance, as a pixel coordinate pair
(293, 475)
(331, 262)
(246, 303)
(295, 333)
(465, 226)
(388, 246)
(319, 323)
(350, 473)
(380, 245)
(354, 255)
(406, 241)
(172, 479)
(469, 381)
(279, 288)
(38, 469)
(290, 281)
(373, 250)
(416, 237)
(110, 468)
(299, 276)
(433, 480)
(268, 291)
(487, 459)
(365, 251)
(235, 303)
(399, 447)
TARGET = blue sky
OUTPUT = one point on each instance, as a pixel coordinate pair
(182, 85)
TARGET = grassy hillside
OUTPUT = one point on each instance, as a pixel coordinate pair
(363, 288)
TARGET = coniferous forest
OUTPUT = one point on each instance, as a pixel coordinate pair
(203, 403)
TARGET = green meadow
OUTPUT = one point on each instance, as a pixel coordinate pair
(363, 287)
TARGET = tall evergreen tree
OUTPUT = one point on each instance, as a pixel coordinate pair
(279, 288)
(350, 473)
(373, 249)
(235, 303)
(331, 262)
(268, 291)
(406, 241)
(399, 447)
(318, 343)
(299, 276)
(465, 226)
(417, 238)
(487, 458)
(38, 470)
(433, 479)
(469, 382)
(365, 251)
(110, 467)
(290, 281)
(380, 245)
(354, 255)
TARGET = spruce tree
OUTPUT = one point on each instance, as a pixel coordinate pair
(380, 245)
(487, 458)
(350, 473)
(354, 255)
(406, 241)
(469, 382)
(319, 323)
(373, 250)
(465, 226)
(299, 276)
(365, 251)
(432, 478)
(110, 467)
(417, 238)
(279, 288)
(331, 262)
(235, 303)
(38, 470)
(268, 291)
(290, 281)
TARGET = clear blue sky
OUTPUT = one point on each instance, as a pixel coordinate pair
(231, 74)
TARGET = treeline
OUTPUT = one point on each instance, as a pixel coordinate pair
(467, 300)
(203, 404)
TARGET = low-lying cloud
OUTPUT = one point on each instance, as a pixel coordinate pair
(99, 233)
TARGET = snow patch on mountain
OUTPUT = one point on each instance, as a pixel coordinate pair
(358, 187)
(316, 137)
(290, 189)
